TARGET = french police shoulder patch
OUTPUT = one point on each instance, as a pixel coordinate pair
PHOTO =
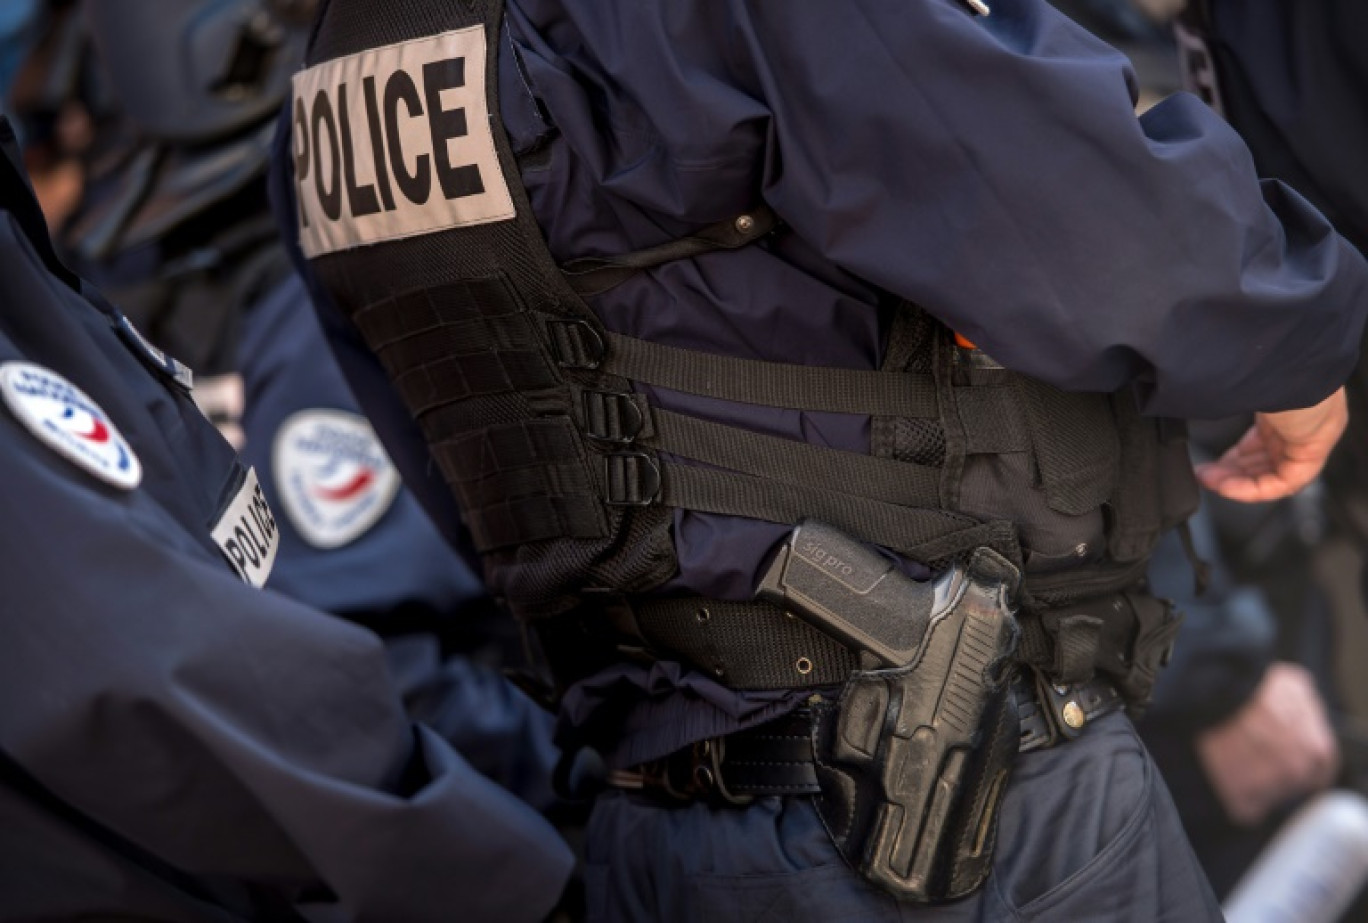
(334, 478)
(64, 418)
(395, 142)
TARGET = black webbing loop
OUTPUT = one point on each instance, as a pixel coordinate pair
(576, 344)
(594, 275)
(745, 645)
(1075, 647)
(611, 416)
(792, 462)
(775, 384)
(633, 479)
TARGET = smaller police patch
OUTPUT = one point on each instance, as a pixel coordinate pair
(247, 534)
(334, 478)
(64, 418)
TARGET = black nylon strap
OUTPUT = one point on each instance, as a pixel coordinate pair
(745, 645)
(777, 758)
(776, 384)
(797, 463)
(594, 275)
(925, 535)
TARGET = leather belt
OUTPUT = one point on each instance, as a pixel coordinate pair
(776, 758)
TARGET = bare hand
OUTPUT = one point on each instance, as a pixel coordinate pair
(1277, 747)
(1281, 453)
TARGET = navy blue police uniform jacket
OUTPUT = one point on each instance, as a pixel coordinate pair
(990, 169)
(175, 743)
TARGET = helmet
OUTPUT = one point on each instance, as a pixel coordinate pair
(196, 86)
(195, 71)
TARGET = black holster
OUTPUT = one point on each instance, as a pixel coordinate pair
(912, 759)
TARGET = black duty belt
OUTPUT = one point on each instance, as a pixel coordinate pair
(776, 758)
(756, 645)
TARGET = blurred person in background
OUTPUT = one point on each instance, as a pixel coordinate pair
(1242, 721)
(1291, 77)
(174, 227)
(15, 17)
(1245, 719)
(51, 98)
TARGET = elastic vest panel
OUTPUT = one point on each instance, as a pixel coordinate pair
(566, 476)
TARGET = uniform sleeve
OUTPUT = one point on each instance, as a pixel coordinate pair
(229, 731)
(992, 170)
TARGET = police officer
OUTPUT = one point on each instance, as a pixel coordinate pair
(706, 313)
(174, 227)
(175, 742)
(1290, 79)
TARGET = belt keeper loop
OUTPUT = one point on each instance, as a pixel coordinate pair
(1076, 639)
(715, 754)
(611, 417)
(576, 344)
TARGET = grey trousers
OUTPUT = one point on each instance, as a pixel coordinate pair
(1088, 832)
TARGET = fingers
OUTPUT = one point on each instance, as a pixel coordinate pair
(1261, 467)
(1281, 453)
(1255, 483)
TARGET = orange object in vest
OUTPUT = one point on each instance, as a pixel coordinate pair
(961, 341)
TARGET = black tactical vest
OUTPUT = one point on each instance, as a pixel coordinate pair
(566, 475)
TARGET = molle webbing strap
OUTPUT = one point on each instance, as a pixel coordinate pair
(432, 323)
(522, 482)
(794, 462)
(744, 645)
(746, 381)
(594, 275)
(774, 384)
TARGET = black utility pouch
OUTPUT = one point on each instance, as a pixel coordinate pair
(913, 758)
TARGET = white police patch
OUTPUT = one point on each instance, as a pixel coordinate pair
(247, 534)
(62, 416)
(394, 142)
(334, 478)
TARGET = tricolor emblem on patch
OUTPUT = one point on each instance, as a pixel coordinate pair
(334, 478)
(69, 422)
